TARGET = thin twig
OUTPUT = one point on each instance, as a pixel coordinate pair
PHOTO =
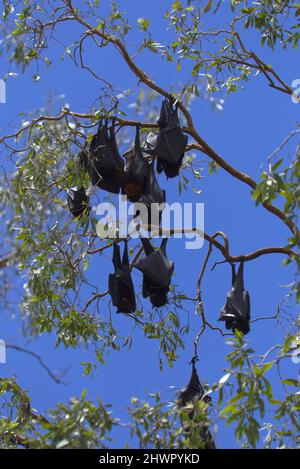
(39, 359)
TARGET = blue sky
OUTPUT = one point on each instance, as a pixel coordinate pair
(252, 124)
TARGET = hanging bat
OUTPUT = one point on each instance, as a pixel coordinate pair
(171, 141)
(150, 147)
(157, 272)
(120, 283)
(236, 312)
(150, 143)
(154, 195)
(191, 392)
(135, 181)
(104, 163)
(78, 201)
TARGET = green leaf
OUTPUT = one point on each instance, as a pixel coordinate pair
(266, 367)
(277, 164)
(290, 382)
(208, 6)
(143, 24)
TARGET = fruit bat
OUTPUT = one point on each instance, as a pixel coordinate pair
(120, 283)
(157, 272)
(192, 391)
(171, 170)
(170, 142)
(78, 201)
(135, 181)
(150, 143)
(236, 312)
(154, 195)
(104, 163)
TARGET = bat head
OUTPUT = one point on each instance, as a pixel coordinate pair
(158, 299)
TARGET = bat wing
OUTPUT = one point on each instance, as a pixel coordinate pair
(157, 267)
(154, 199)
(236, 312)
(164, 114)
(189, 393)
(237, 296)
(170, 170)
(106, 166)
(243, 325)
(154, 194)
(123, 271)
(113, 288)
(247, 304)
(157, 273)
(125, 258)
(120, 283)
(146, 286)
(239, 278)
(147, 246)
(171, 144)
(116, 257)
(78, 201)
(168, 113)
(158, 295)
(119, 162)
(235, 305)
(122, 295)
(83, 160)
(162, 151)
(192, 390)
(171, 141)
(233, 274)
(126, 294)
(136, 172)
(100, 139)
(107, 186)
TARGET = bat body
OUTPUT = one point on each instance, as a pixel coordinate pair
(191, 392)
(236, 312)
(78, 201)
(104, 163)
(120, 283)
(170, 142)
(136, 171)
(154, 195)
(157, 272)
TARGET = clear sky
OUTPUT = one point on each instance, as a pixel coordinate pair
(252, 124)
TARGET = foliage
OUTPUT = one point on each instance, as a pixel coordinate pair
(207, 44)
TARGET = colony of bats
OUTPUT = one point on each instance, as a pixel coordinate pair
(135, 177)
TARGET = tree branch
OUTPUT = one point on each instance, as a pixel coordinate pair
(39, 359)
(205, 148)
(8, 259)
(191, 130)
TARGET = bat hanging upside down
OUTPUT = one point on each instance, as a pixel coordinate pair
(236, 312)
(157, 272)
(120, 283)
